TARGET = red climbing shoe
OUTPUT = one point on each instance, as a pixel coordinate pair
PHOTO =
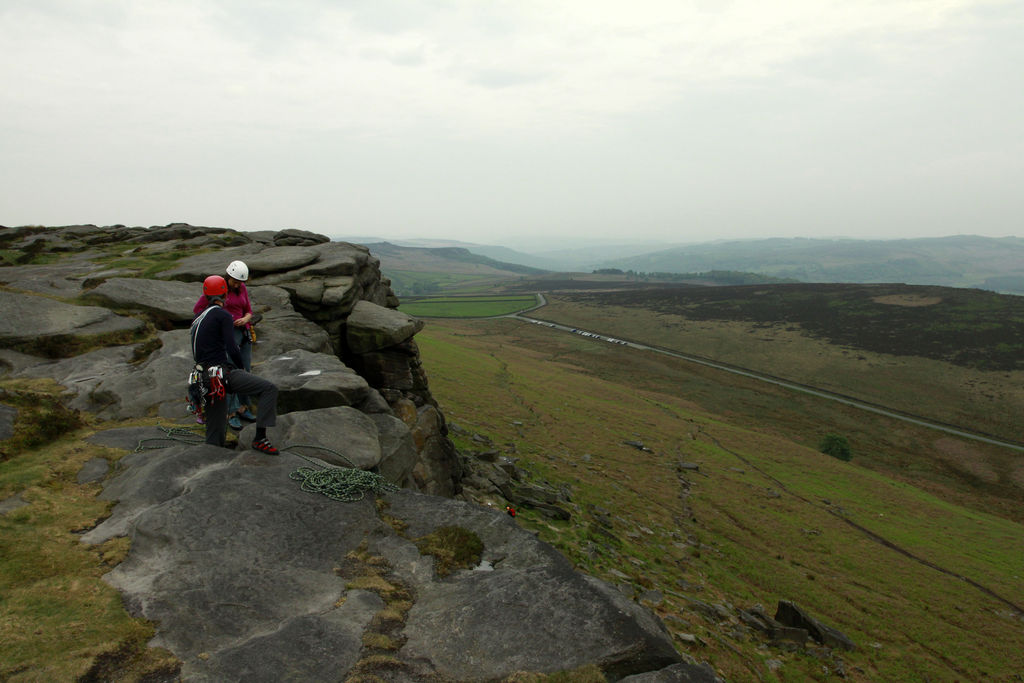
(263, 446)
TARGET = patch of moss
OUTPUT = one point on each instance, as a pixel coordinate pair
(453, 547)
(41, 418)
(377, 663)
(383, 637)
(133, 661)
(372, 583)
(379, 641)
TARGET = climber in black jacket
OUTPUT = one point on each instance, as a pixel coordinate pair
(214, 347)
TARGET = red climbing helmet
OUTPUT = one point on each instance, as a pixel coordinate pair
(215, 285)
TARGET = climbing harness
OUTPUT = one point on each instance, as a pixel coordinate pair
(204, 387)
(216, 375)
(343, 484)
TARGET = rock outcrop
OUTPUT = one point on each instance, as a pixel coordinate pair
(305, 288)
(248, 575)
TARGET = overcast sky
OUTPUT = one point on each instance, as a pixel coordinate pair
(507, 121)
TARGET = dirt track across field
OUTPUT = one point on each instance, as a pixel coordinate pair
(795, 386)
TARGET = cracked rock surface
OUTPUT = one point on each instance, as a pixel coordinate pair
(245, 573)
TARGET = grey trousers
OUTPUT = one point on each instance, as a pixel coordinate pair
(241, 382)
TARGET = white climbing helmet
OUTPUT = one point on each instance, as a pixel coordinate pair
(238, 270)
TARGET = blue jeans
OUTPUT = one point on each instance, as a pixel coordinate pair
(235, 401)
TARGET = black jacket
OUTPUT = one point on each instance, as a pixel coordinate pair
(213, 339)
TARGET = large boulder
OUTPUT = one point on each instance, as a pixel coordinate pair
(338, 258)
(339, 436)
(164, 301)
(84, 375)
(295, 237)
(306, 381)
(63, 279)
(279, 259)
(196, 268)
(155, 386)
(371, 327)
(47, 325)
(281, 328)
(688, 671)
(438, 469)
(398, 451)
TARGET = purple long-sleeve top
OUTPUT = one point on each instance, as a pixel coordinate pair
(235, 303)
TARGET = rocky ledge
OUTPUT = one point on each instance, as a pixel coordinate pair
(248, 574)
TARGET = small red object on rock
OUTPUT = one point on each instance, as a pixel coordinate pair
(510, 510)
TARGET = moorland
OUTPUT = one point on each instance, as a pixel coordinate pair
(909, 547)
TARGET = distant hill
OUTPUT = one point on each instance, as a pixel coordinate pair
(410, 256)
(958, 261)
(581, 257)
(426, 270)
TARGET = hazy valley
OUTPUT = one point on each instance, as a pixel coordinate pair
(995, 264)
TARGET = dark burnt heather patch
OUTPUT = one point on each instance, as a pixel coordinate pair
(968, 327)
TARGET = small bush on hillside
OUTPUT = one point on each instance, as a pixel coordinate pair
(837, 446)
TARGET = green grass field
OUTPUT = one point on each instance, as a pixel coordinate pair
(984, 401)
(467, 306)
(409, 283)
(766, 517)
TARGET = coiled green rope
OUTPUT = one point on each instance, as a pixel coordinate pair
(344, 484)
